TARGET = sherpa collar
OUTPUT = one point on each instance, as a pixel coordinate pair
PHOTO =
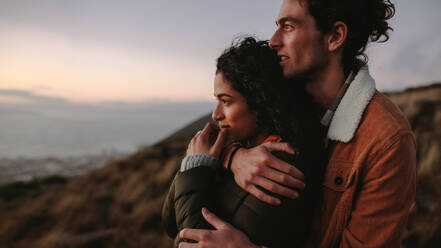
(347, 117)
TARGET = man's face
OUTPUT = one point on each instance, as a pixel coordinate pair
(299, 44)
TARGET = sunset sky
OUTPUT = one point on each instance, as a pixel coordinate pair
(93, 51)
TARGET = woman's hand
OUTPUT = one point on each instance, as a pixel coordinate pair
(210, 141)
(225, 235)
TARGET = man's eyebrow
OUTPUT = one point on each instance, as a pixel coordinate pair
(223, 94)
(282, 20)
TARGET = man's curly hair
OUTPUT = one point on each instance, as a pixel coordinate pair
(282, 107)
(367, 20)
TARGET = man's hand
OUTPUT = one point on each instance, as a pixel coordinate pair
(225, 235)
(258, 167)
(210, 141)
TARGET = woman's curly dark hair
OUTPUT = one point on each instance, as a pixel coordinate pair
(367, 20)
(282, 107)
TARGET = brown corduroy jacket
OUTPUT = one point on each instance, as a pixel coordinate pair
(370, 181)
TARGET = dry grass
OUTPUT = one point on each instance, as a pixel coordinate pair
(423, 109)
(115, 206)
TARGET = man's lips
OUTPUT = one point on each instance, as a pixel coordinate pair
(224, 126)
(283, 59)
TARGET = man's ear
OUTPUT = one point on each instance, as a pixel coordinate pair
(337, 36)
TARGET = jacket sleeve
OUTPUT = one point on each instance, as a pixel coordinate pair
(383, 202)
(265, 224)
(190, 191)
(194, 190)
(168, 212)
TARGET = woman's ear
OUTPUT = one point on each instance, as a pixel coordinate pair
(337, 36)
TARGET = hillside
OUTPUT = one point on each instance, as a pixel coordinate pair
(422, 106)
(119, 205)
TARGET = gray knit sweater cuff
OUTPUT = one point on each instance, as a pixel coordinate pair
(196, 160)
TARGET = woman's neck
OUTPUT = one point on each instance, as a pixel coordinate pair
(258, 139)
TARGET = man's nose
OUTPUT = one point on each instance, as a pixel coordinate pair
(217, 114)
(275, 41)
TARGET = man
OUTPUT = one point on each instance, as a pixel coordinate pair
(370, 181)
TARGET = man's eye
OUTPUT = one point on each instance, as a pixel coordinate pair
(225, 101)
(288, 27)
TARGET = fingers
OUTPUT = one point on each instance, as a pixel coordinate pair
(209, 133)
(276, 188)
(191, 145)
(193, 234)
(203, 140)
(196, 135)
(285, 167)
(283, 179)
(214, 220)
(205, 133)
(203, 136)
(219, 143)
(259, 194)
(209, 128)
(206, 128)
(279, 146)
(213, 127)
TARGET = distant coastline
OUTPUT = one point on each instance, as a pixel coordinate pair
(27, 169)
(41, 128)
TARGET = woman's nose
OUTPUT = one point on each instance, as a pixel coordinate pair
(217, 114)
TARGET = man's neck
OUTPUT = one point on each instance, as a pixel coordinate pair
(325, 86)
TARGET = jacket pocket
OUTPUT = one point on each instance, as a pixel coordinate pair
(338, 176)
(338, 192)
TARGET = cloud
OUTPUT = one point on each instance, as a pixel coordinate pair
(151, 41)
(38, 88)
(31, 97)
(29, 101)
(193, 29)
(412, 56)
(21, 93)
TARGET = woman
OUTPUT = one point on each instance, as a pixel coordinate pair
(255, 105)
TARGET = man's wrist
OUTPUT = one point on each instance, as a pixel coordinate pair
(226, 158)
(230, 159)
(233, 159)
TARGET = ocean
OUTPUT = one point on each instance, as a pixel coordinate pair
(62, 129)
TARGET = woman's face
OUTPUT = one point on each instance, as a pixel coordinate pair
(232, 111)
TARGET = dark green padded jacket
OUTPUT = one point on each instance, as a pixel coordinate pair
(264, 224)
